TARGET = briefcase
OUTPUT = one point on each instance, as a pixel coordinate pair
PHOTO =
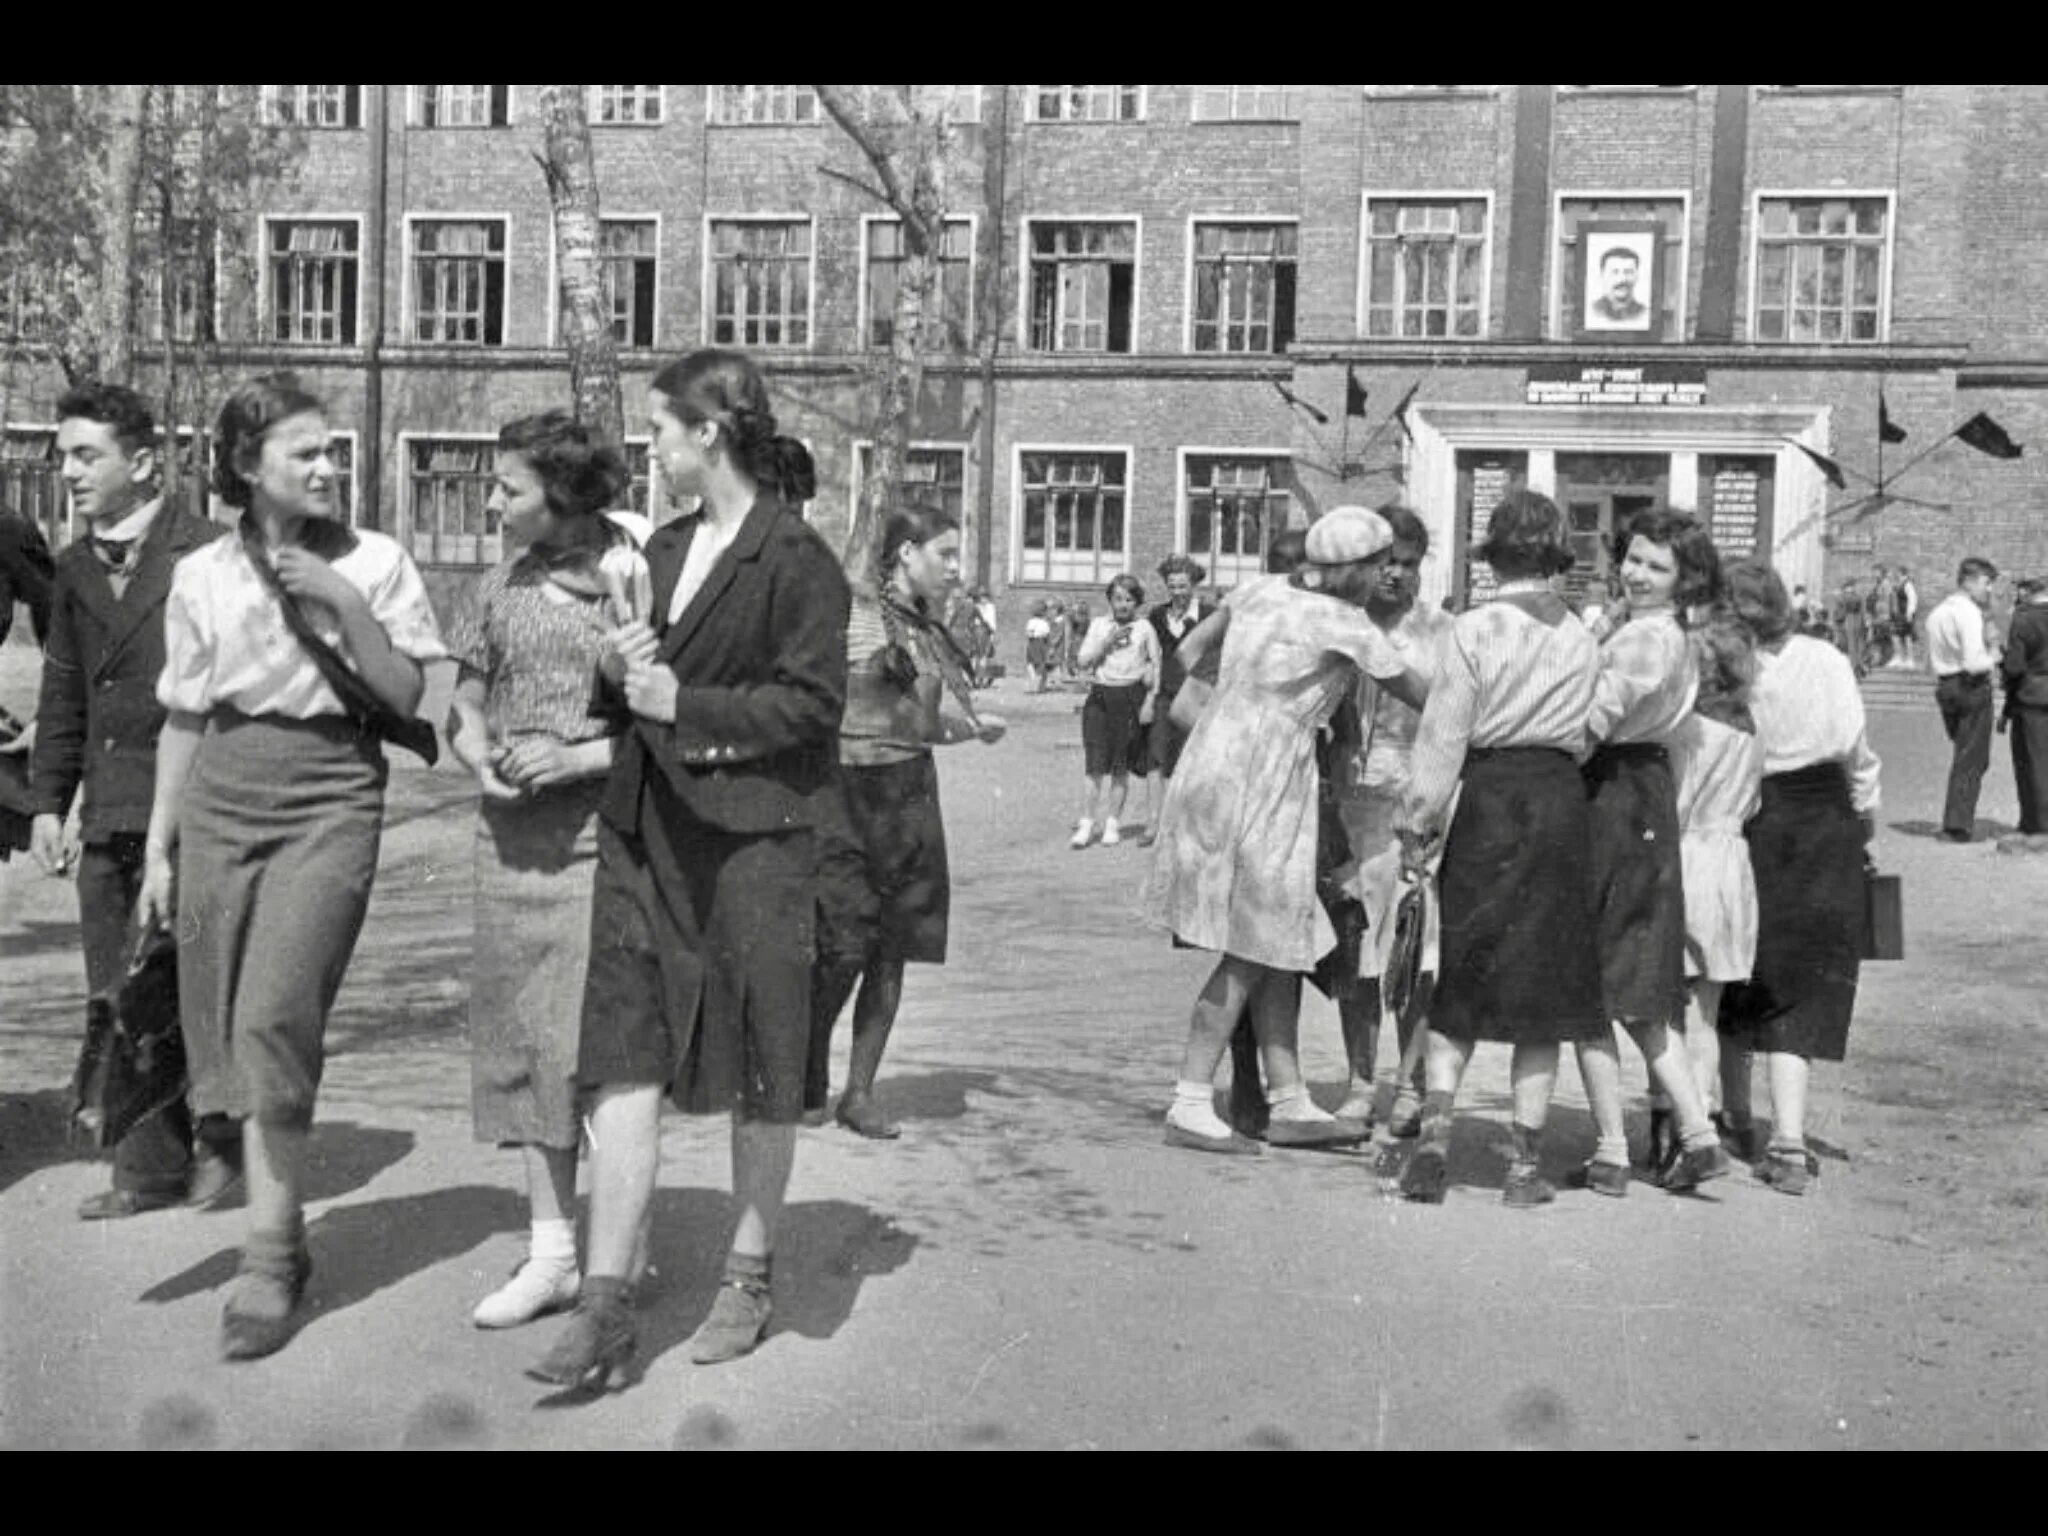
(1884, 916)
(133, 1061)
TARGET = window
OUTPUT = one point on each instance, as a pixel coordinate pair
(1227, 103)
(1073, 516)
(448, 485)
(1083, 280)
(30, 483)
(341, 453)
(1820, 268)
(761, 282)
(955, 290)
(1668, 214)
(462, 106)
(1425, 267)
(25, 301)
(458, 276)
(626, 249)
(738, 104)
(1234, 506)
(618, 105)
(1244, 287)
(936, 475)
(314, 106)
(639, 478)
(1086, 103)
(313, 277)
(191, 275)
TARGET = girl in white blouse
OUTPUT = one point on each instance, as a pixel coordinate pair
(269, 796)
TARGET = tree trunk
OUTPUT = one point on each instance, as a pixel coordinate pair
(117, 233)
(995, 150)
(586, 320)
(168, 457)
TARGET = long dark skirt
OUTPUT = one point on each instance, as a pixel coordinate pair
(1806, 849)
(1516, 890)
(1638, 882)
(1112, 740)
(277, 847)
(884, 890)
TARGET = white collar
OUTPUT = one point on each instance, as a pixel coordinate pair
(134, 525)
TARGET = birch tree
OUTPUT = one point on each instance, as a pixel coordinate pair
(586, 320)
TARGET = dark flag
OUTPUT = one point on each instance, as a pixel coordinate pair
(1300, 404)
(1354, 393)
(1401, 411)
(1888, 431)
(1987, 436)
(1827, 465)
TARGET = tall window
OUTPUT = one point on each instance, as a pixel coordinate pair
(955, 295)
(24, 299)
(627, 249)
(936, 476)
(462, 106)
(622, 104)
(1426, 267)
(1234, 507)
(458, 277)
(763, 104)
(1244, 287)
(314, 106)
(1073, 516)
(1083, 279)
(1820, 269)
(1223, 103)
(191, 277)
(341, 453)
(448, 483)
(313, 277)
(30, 484)
(1667, 213)
(761, 282)
(639, 478)
(1086, 103)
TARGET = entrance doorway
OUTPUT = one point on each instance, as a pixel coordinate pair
(1599, 493)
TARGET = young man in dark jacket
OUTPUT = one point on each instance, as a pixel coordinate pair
(96, 730)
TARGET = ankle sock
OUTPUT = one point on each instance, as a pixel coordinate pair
(552, 1241)
(1194, 1110)
(1699, 1140)
(1436, 1115)
(1293, 1104)
(750, 1268)
(1612, 1150)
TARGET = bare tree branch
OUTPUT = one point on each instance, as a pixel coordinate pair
(845, 110)
(857, 184)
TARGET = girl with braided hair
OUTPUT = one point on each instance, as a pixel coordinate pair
(883, 889)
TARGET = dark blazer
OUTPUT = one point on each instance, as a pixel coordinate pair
(2026, 658)
(24, 574)
(1171, 672)
(760, 657)
(98, 719)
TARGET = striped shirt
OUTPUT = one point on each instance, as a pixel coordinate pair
(1648, 681)
(1507, 679)
(1808, 710)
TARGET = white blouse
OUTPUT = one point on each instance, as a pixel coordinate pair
(1808, 710)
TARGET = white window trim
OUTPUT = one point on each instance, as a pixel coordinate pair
(659, 119)
(412, 112)
(867, 223)
(264, 297)
(1194, 95)
(408, 317)
(707, 290)
(1385, 195)
(604, 217)
(1555, 318)
(1890, 198)
(1187, 328)
(405, 509)
(657, 488)
(713, 120)
(1137, 221)
(1182, 454)
(355, 464)
(264, 98)
(863, 445)
(1144, 112)
(1017, 452)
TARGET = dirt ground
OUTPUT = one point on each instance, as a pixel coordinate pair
(1030, 1266)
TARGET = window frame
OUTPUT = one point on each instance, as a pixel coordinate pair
(867, 223)
(660, 111)
(355, 466)
(214, 273)
(1553, 319)
(708, 291)
(414, 112)
(1758, 197)
(1031, 114)
(266, 98)
(712, 118)
(1137, 223)
(555, 273)
(1183, 499)
(1195, 221)
(1293, 102)
(1372, 195)
(857, 477)
(1016, 561)
(266, 297)
(409, 317)
(408, 530)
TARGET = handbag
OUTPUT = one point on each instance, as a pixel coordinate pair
(1884, 915)
(1403, 985)
(133, 1061)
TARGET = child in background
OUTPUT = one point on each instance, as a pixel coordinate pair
(1122, 651)
(1056, 668)
(1037, 646)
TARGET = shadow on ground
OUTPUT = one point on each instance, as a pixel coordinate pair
(1983, 830)
(33, 1134)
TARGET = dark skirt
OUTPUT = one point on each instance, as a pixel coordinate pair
(1112, 740)
(1518, 959)
(883, 887)
(700, 963)
(1638, 882)
(1165, 739)
(277, 848)
(1806, 848)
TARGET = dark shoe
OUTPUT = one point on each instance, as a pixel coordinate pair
(861, 1115)
(1692, 1169)
(1233, 1145)
(1405, 1120)
(814, 1118)
(1741, 1137)
(1526, 1187)
(1427, 1175)
(1664, 1144)
(601, 1338)
(1789, 1173)
(1603, 1179)
(1950, 835)
(216, 1183)
(118, 1204)
(737, 1323)
(1334, 1132)
(262, 1312)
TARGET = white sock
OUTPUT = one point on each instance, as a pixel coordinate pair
(553, 1242)
(1194, 1109)
(1109, 826)
(1294, 1104)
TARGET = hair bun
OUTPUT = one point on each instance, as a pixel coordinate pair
(789, 468)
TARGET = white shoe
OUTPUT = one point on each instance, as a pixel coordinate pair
(1084, 834)
(537, 1287)
(1111, 833)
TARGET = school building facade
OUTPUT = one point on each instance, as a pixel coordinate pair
(1619, 295)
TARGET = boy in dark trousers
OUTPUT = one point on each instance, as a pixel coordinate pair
(96, 729)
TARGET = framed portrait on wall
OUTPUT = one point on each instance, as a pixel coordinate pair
(1619, 273)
